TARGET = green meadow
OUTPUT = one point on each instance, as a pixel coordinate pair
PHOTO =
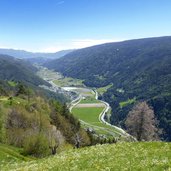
(89, 115)
(139, 156)
(68, 81)
(90, 118)
(89, 100)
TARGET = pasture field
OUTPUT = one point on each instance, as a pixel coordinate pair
(86, 92)
(89, 105)
(89, 100)
(90, 118)
(48, 74)
(67, 81)
(89, 115)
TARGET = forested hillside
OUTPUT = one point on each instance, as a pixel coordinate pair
(39, 125)
(137, 69)
(18, 70)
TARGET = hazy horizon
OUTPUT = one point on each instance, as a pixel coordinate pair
(77, 48)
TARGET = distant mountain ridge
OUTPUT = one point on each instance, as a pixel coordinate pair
(26, 55)
(138, 69)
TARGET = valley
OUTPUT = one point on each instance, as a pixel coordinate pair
(125, 73)
(85, 105)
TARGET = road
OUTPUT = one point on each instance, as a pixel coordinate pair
(101, 116)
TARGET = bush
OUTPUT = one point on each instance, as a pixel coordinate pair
(36, 145)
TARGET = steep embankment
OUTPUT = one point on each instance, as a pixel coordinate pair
(11, 154)
(138, 70)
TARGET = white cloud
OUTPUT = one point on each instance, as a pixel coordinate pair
(51, 49)
(81, 43)
(4, 47)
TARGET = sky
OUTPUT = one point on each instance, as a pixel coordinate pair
(53, 25)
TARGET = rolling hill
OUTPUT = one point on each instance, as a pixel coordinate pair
(137, 69)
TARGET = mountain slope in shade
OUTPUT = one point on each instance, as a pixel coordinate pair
(18, 70)
(138, 69)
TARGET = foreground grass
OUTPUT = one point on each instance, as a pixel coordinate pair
(117, 157)
(9, 155)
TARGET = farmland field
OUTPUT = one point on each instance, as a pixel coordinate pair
(90, 118)
(89, 115)
(90, 100)
(67, 81)
(90, 105)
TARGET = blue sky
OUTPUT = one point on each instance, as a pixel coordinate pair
(53, 25)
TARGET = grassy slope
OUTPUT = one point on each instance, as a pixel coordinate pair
(122, 156)
(102, 90)
(15, 101)
(9, 155)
